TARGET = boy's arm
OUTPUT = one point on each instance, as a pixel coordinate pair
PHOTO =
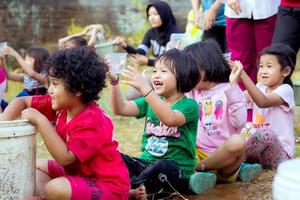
(259, 98)
(55, 145)
(15, 108)
(118, 104)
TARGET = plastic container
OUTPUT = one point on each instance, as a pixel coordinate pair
(104, 48)
(2, 46)
(297, 92)
(178, 40)
(286, 182)
(17, 159)
(227, 56)
(117, 62)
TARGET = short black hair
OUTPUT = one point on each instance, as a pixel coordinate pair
(80, 70)
(78, 41)
(286, 57)
(209, 59)
(40, 56)
(183, 67)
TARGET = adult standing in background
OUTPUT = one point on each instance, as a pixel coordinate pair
(249, 28)
(213, 21)
(287, 28)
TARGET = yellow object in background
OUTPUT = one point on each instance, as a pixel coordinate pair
(195, 33)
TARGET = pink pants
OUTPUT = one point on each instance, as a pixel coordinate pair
(246, 38)
(83, 187)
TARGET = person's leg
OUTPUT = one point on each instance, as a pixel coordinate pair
(287, 28)
(4, 104)
(46, 170)
(241, 44)
(226, 158)
(135, 168)
(263, 30)
(42, 176)
(58, 188)
(135, 165)
(23, 93)
(158, 175)
(265, 148)
(218, 34)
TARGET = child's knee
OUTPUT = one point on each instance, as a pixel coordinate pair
(57, 188)
(42, 164)
(235, 144)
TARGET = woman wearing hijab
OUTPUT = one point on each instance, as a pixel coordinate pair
(163, 24)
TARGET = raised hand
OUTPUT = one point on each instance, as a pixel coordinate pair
(136, 80)
(236, 71)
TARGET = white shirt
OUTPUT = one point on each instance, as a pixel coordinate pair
(279, 118)
(256, 9)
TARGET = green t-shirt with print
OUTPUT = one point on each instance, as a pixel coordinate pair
(177, 144)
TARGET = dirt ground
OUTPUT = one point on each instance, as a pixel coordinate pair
(259, 189)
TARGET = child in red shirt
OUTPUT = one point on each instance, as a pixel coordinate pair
(87, 164)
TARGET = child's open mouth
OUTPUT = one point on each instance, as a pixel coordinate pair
(157, 83)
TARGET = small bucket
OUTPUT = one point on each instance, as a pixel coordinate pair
(286, 182)
(104, 48)
(17, 159)
(297, 93)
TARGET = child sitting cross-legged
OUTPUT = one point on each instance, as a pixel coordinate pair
(87, 164)
(169, 137)
(223, 111)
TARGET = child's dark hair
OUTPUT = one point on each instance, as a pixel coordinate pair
(40, 56)
(183, 67)
(80, 70)
(286, 57)
(78, 41)
(209, 59)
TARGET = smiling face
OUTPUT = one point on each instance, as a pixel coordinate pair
(270, 72)
(61, 98)
(154, 17)
(163, 80)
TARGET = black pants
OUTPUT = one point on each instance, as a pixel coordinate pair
(287, 27)
(217, 33)
(156, 176)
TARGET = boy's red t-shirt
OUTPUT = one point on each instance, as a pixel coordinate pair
(2, 74)
(89, 136)
(290, 3)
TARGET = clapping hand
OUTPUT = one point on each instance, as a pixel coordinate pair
(236, 71)
(136, 80)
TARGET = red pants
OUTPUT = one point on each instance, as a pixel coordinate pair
(246, 38)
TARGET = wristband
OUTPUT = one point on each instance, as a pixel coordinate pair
(114, 82)
(148, 93)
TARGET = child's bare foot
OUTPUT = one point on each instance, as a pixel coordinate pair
(138, 193)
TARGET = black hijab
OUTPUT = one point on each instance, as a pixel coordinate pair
(168, 26)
